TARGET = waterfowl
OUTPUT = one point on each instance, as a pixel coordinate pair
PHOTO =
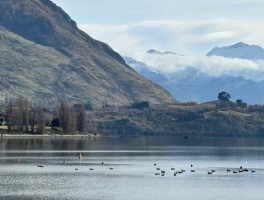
(192, 170)
(209, 172)
(111, 168)
(234, 172)
(228, 170)
(172, 168)
(91, 168)
(253, 171)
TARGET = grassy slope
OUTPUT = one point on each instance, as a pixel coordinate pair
(180, 120)
(27, 66)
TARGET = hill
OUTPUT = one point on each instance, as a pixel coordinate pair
(45, 55)
(211, 119)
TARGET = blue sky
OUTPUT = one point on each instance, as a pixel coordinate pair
(124, 12)
(203, 16)
(188, 27)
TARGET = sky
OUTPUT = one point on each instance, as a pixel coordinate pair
(188, 27)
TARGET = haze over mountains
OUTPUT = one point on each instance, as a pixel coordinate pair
(44, 54)
(241, 74)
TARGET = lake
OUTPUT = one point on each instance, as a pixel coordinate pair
(123, 168)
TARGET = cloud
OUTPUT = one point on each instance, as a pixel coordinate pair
(220, 35)
(192, 38)
(215, 65)
(185, 37)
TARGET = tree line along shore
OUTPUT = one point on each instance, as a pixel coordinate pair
(221, 117)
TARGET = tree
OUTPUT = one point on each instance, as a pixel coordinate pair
(17, 113)
(66, 116)
(241, 104)
(25, 113)
(9, 116)
(80, 116)
(41, 119)
(140, 105)
(224, 96)
(32, 120)
(55, 122)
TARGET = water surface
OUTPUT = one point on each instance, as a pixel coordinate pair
(133, 174)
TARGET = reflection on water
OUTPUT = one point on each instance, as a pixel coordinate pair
(60, 143)
(123, 168)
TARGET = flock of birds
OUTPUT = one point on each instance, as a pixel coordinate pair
(91, 169)
(76, 169)
(161, 172)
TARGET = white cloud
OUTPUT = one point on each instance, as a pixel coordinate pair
(214, 65)
(185, 37)
(191, 38)
(220, 35)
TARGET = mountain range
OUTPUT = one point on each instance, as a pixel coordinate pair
(240, 50)
(192, 84)
(43, 55)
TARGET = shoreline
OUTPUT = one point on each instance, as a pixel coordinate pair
(50, 136)
(99, 136)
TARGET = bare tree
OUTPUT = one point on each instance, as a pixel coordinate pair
(32, 121)
(41, 122)
(25, 115)
(21, 114)
(9, 116)
(17, 113)
(66, 117)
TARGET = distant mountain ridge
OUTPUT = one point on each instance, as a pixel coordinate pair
(240, 50)
(155, 52)
(44, 52)
(191, 84)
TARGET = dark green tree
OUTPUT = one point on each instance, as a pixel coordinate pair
(224, 96)
(241, 104)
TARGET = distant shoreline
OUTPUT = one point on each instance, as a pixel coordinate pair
(49, 136)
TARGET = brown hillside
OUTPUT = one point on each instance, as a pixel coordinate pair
(79, 67)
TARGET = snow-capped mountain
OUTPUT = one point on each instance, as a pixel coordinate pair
(239, 50)
(169, 83)
(192, 84)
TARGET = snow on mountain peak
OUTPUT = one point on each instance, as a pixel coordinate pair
(239, 50)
